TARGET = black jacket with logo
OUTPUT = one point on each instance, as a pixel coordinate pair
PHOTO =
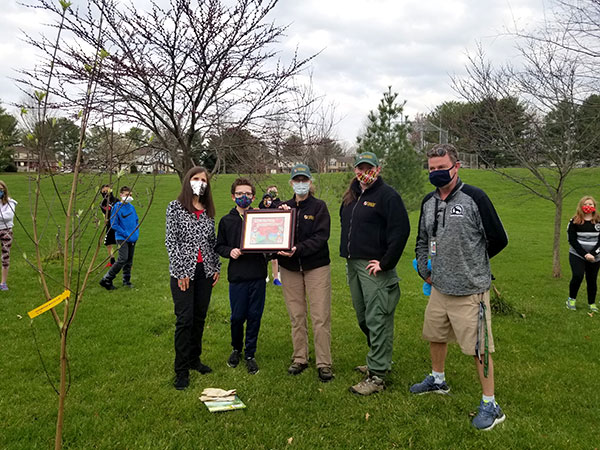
(375, 225)
(249, 266)
(313, 225)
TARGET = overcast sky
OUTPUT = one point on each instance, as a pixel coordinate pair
(367, 45)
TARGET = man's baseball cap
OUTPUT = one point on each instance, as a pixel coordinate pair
(300, 169)
(368, 157)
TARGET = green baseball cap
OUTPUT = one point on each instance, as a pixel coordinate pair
(368, 157)
(300, 169)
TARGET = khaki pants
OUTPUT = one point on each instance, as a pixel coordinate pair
(316, 285)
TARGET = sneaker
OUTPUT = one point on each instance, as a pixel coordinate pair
(234, 359)
(107, 285)
(429, 385)
(182, 380)
(252, 366)
(369, 385)
(297, 368)
(489, 416)
(571, 304)
(202, 368)
(3, 287)
(276, 282)
(362, 369)
(593, 307)
(128, 284)
(325, 374)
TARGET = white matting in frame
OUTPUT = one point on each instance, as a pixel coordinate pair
(268, 230)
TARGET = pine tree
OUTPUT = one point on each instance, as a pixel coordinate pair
(9, 135)
(386, 135)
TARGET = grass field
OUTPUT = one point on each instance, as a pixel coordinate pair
(121, 352)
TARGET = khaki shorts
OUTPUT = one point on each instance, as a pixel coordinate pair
(450, 318)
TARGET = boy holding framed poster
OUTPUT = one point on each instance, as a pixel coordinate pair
(246, 274)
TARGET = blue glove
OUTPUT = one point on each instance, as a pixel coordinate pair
(426, 286)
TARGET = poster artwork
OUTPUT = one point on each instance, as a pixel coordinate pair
(267, 230)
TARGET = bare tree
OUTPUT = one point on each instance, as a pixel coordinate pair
(66, 219)
(541, 137)
(577, 23)
(181, 70)
(305, 130)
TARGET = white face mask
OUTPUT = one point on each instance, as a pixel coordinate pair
(127, 199)
(198, 187)
(301, 188)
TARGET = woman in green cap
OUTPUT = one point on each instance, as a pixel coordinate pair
(375, 229)
(305, 273)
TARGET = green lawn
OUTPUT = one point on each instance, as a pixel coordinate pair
(121, 351)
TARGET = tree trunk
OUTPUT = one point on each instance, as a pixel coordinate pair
(558, 203)
(62, 393)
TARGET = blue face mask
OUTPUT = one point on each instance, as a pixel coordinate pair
(1, 193)
(440, 178)
(243, 201)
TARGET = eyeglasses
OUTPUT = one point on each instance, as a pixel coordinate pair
(240, 194)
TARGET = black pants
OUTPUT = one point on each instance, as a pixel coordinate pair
(124, 261)
(247, 301)
(579, 268)
(191, 307)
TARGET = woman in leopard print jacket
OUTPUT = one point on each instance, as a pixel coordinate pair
(194, 267)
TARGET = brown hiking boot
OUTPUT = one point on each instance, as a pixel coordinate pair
(325, 374)
(297, 368)
(362, 369)
(369, 385)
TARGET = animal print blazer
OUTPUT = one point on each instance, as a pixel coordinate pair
(185, 235)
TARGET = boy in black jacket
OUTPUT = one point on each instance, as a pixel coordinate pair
(246, 274)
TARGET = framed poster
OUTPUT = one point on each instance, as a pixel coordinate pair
(268, 230)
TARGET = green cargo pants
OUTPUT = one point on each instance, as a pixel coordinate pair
(375, 299)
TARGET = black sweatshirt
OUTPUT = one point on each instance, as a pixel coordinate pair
(313, 226)
(249, 266)
(375, 225)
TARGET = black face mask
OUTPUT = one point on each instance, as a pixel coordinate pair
(440, 178)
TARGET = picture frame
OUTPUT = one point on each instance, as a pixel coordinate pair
(268, 230)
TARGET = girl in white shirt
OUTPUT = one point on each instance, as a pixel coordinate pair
(7, 214)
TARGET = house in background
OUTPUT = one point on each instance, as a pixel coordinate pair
(339, 164)
(27, 160)
(149, 160)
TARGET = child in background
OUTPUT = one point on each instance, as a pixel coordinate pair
(7, 214)
(108, 200)
(246, 274)
(271, 201)
(584, 251)
(124, 220)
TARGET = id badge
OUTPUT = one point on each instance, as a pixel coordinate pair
(432, 248)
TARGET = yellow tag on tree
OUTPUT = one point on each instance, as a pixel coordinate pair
(49, 304)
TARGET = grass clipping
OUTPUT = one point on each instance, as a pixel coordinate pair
(500, 306)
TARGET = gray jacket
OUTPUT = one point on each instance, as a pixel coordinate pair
(469, 232)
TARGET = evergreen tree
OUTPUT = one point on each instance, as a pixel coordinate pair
(386, 135)
(9, 136)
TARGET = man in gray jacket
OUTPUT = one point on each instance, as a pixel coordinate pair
(459, 230)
